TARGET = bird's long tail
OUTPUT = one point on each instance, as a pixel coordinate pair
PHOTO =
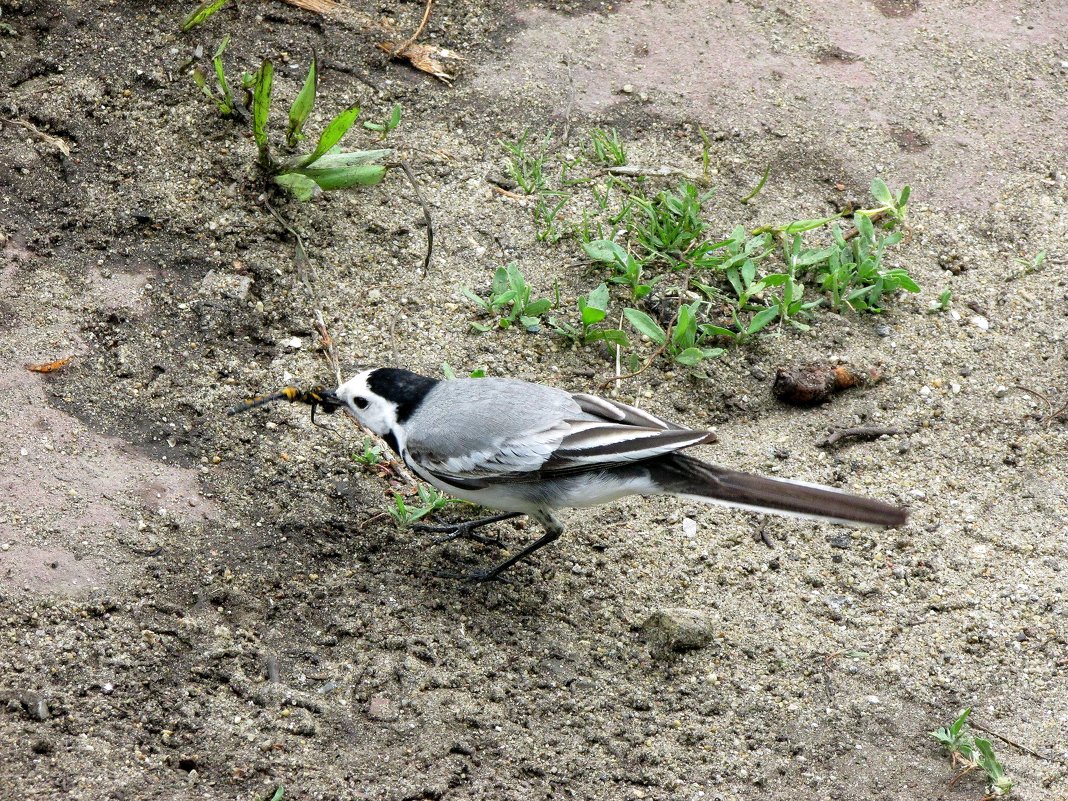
(678, 474)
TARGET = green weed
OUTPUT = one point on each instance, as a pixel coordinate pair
(450, 374)
(429, 500)
(526, 166)
(220, 94)
(202, 13)
(509, 302)
(371, 454)
(607, 149)
(971, 753)
(593, 309)
(327, 167)
(388, 125)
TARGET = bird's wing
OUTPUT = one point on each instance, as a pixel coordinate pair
(485, 429)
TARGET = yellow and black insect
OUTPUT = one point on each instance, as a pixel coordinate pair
(316, 397)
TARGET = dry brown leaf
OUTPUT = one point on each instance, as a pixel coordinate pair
(48, 367)
(424, 58)
(318, 6)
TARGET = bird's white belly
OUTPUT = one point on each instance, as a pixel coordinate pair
(574, 491)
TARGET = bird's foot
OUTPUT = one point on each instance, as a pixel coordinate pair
(466, 530)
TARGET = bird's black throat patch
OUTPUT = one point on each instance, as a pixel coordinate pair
(403, 387)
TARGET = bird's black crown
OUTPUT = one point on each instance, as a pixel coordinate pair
(403, 387)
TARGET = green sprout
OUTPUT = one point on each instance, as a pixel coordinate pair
(327, 167)
(429, 500)
(607, 148)
(202, 13)
(220, 95)
(593, 309)
(388, 125)
(972, 753)
(371, 455)
(509, 301)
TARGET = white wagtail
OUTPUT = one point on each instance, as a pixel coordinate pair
(529, 449)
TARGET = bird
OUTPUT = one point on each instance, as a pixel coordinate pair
(524, 448)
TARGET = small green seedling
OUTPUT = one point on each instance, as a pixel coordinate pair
(944, 300)
(509, 301)
(429, 501)
(220, 95)
(202, 13)
(1032, 265)
(371, 455)
(388, 125)
(630, 270)
(526, 167)
(972, 753)
(327, 167)
(683, 343)
(593, 309)
(607, 148)
(669, 225)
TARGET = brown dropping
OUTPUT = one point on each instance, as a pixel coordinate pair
(810, 384)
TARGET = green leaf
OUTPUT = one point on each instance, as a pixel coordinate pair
(710, 330)
(332, 134)
(450, 374)
(538, 307)
(903, 198)
(302, 187)
(345, 177)
(261, 107)
(864, 225)
(605, 250)
(613, 336)
(692, 356)
(881, 193)
(646, 325)
(762, 319)
(302, 106)
(201, 13)
(799, 226)
(532, 324)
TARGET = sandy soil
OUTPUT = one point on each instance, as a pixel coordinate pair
(197, 606)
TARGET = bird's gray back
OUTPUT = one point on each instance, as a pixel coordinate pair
(468, 415)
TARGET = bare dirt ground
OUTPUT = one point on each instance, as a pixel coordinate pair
(196, 606)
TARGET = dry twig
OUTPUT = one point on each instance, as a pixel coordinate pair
(418, 31)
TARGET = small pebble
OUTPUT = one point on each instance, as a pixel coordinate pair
(882, 329)
(981, 322)
(628, 89)
(689, 527)
(1001, 391)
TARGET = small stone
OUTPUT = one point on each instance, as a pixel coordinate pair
(381, 708)
(35, 706)
(689, 527)
(1001, 391)
(954, 387)
(758, 373)
(5, 546)
(293, 343)
(843, 540)
(41, 746)
(883, 330)
(678, 629)
(628, 89)
(980, 322)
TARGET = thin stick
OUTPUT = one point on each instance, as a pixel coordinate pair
(411, 40)
(853, 232)
(861, 432)
(54, 141)
(500, 190)
(570, 100)
(328, 345)
(426, 214)
(642, 369)
(1003, 738)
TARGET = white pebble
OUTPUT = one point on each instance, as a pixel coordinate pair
(981, 322)
(293, 343)
(689, 527)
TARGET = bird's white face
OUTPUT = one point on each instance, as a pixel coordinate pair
(372, 410)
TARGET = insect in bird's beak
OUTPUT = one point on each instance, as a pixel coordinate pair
(316, 397)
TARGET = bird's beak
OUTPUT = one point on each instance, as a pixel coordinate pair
(329, 401)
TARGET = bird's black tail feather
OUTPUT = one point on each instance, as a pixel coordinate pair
(677, 474)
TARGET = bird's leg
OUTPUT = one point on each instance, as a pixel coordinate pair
(467, 530)
(553, 529)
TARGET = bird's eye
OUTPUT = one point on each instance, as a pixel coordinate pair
(361, 403)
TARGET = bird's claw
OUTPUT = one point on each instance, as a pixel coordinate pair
(455, 531)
